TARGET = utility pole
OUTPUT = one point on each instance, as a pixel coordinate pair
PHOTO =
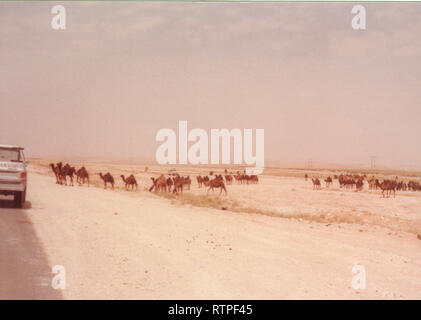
(373, 162)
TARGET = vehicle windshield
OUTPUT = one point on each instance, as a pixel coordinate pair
(9, 155)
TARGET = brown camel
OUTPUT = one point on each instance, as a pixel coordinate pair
(316, 183)
(359, 184)
(328, 182)
(67, 171)
(178, 184)
(254, 179)
(169, 184)
(199, 181)
(129, 181)
(187, 182)
(217, 182)
(372, 183)
(228, 179)
(388, 186)
(159, 184)
(107, 178)
(82, 175)
(56, 173)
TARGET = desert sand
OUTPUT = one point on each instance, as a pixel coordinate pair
(279, 239)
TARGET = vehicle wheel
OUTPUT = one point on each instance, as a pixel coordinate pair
(20, 198)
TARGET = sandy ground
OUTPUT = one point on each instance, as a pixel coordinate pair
(117, 244)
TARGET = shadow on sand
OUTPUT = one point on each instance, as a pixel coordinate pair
(25, 272)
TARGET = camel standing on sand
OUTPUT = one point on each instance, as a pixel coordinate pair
(82, 175)
(199, 181)
(187, 182)
(107, 178)
(178, 184)
(306, 176)
(239, 178)
(69, 171)
(129, 181)
(328, 182)
(254, 179)
(388, 186)
(372, 184)
(359, 184)
(169, 184)
(56, 173)
(316, 183)
(217, 182)
(159, 184)
(228, 179)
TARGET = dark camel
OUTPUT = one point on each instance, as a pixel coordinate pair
(199, 181)
(56, 173)
(82, 176)
(67, 171)
(129, 181)
(107, 178)
(328, 182)
(217, 182)
(316, 183)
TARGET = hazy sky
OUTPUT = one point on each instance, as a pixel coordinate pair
(122, 71)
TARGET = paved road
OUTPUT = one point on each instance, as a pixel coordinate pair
(24, 269)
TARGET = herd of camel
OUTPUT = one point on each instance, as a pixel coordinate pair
(65, 172)
(216, 181)
(176, 184)
(349, 181)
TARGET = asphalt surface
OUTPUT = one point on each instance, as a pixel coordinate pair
(24, 269)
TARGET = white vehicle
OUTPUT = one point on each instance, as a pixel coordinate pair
(13, 174)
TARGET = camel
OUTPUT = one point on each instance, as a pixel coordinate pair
(328, 182)
(414, 186)
(178, 184)
(217, 182)
(107, 178)
(82, 175)
(129, 181)
(359, 184)
(228, 179)
(69, 171)
(169, 184)
(187, 182)
(254, 179)
(205, 181)
(56, 173)
(239, 178)
(401, 186)
(372, 184)
(159, 184)
(388, 186)
(61, 172)
(348, 181)
(199, 181)
(316, 183)
(306, 176)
